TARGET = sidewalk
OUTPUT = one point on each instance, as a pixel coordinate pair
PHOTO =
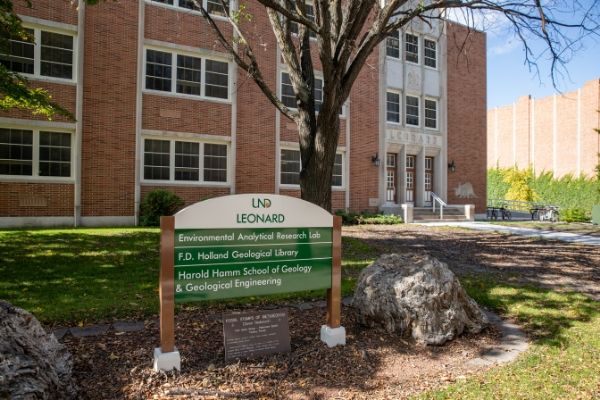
(536, 233)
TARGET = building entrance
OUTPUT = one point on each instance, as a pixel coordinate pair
(391, 178)
(410, 178)
(428, 180)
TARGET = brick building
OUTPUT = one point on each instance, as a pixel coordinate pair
(554, 133)
(159, 105)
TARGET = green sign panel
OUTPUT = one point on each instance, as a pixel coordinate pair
(236, 262)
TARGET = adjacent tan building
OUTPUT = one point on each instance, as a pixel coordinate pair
(552, 134)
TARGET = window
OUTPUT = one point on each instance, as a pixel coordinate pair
(184, 161)
(412, 110)
(430, 53)
(213, 7)
(411, 48)
(393, 107)
(47, 54)
(310, 14)
(431, 114)
(192, 75)
(291, 166)
(392, 45)
(35, 153)
(289, 98)
(410, 161)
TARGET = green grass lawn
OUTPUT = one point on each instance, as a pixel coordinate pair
(71, 276)
(80, 276)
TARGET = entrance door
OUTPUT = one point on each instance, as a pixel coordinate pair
(410, 178)
(428, 180)
(390, 178)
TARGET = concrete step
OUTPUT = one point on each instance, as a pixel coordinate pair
(423, 218)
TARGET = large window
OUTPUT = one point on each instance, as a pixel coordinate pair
(392, 45)
(310, 14)
(411, 48)
(412, 110)
(186, 74)
(213, 7)
(47, 54)
(431, 114)
(291, 166)
(35, 153)
(393, 107)
(184, 161)
(430, 53)
(289, 98)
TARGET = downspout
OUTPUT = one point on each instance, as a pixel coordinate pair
(138, 111)
(79, 113)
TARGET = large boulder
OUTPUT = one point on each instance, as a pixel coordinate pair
(416, 295)
(33, 364)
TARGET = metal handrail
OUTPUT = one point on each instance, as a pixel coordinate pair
(434, 198)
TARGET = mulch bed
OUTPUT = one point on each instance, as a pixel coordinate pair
(372, 365)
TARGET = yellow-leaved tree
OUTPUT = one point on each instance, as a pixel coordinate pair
(520, 188)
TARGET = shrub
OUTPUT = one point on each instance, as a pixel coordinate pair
(156, 204)
(365, 218)
(574, 215)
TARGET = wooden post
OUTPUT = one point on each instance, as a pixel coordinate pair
(167, 284)
(334, 295)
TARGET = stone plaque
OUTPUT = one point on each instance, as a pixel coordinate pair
(256, 333)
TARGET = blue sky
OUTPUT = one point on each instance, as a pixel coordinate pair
(509, 78)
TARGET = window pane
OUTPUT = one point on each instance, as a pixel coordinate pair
(187, 4)
(189, 71)
(337, 176)
(20, 56)
(216, 8)
(412, 110)
(164, 1)
(55, 154)
(393, 107)
(158, 70)
(393, 45)
(287, 91)
(16, 152)
(430, 53)
(215, 162)
(217, 79)
(156, 159)
(318, 94)
(411, 48)
(290, 167)
(56, 55)
(431, 114)
(187, 161)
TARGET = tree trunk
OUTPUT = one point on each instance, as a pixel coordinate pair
(318, 157)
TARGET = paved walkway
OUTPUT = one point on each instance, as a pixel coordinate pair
(553, 235)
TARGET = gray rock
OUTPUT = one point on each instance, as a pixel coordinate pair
(416, 295)
(128, 326)
(33, 364)
(92, 330)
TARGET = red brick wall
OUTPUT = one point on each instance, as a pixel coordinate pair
(64, 11)
(467, 113)
(108, 166)
(36, 199)
(190, 195)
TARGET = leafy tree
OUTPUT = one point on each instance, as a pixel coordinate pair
(15, 90)
(347, 32)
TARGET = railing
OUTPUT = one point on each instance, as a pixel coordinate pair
(537, 210)
(435, 198)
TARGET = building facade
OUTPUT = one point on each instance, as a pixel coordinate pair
(158, 104)
(553, 134)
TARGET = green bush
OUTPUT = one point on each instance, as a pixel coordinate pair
(158, 203)
(567, 192)
(365, 218)
(574, 215)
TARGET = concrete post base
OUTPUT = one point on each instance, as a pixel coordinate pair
(333, 336)
(166, 361)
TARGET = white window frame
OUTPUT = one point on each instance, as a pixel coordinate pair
(404, 51)
(297, 187)
(318, 75)
(400, 113)
(173, 92)
(35, 156)
(419, 108)
(437, 113)
(437, 61)
(37, 52)
(171, 181)
(400, 49)
(176, 6)
(311, 35)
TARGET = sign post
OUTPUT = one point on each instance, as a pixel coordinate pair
(247, 245)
